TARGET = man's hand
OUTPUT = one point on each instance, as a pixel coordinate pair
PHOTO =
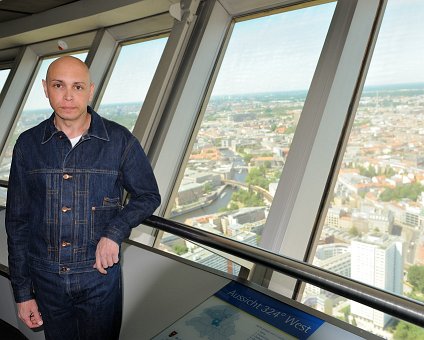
(28, 313)
(107, 254)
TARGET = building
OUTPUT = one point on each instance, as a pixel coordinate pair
(377, 260)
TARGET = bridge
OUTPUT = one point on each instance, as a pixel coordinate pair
(265, 194)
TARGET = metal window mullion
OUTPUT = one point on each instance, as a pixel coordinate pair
(182, 110)
(155, 126)
(99, 60)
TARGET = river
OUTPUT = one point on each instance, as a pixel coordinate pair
(219, 203)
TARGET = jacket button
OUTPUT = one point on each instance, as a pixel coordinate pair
(66, 209)
(64, 269)
(67, 176)
(65, 244)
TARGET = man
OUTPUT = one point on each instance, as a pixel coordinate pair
(64, 218)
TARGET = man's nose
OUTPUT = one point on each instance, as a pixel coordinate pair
(68, 94)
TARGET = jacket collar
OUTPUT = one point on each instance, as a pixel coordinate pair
(97, 127)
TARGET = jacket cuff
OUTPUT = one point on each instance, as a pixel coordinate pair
(114, 234)
(23, 295)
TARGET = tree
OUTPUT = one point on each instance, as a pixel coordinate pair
(267, 164)
(257, 176)
(354, 231)
(231, 207)
(248, 198)
(367, 172)
(247, 157)
(290, 129)
(207, 187)
(217, 142)
(416, 277)
(389, 172)
(346, 313)
(180, 249)
(410, 191)
(407, 331)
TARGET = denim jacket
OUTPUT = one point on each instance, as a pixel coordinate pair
(62, 200)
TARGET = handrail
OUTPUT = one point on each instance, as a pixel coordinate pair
(401, 307)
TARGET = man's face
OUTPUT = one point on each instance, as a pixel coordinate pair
(68, 88)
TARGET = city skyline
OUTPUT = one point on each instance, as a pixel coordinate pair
(367, 89)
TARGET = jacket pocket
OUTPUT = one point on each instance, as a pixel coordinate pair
(101, 217)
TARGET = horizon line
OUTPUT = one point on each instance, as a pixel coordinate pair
(366, 88)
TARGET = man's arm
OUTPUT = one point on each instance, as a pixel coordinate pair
(139, 181)
(18, 229)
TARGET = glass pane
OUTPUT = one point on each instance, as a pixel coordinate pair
(3, 191)
(248, 126)
(200, 254)
(3, 195)
(130, 81)
(3, 77)
(373, 230)
(35, 110)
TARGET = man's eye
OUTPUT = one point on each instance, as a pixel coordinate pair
(57, 86)
(79, 87)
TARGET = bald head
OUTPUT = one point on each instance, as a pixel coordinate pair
(68, 63)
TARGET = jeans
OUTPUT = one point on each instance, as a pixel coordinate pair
(80, 306)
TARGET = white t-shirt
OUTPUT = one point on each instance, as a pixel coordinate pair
(75, 140)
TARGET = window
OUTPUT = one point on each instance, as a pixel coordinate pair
(3, 77)
(35, 110)
(373, 230)
(246, 131)
(130, 81)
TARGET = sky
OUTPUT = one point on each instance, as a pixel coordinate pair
(258, 61)
(275, 53)
(3, 77)
(399, 52)
(134, 71)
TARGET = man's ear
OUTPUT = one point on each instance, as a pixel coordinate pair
(91, 91)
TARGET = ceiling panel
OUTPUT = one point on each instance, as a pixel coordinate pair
(12, 9)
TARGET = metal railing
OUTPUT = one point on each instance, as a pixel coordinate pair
(397, 306)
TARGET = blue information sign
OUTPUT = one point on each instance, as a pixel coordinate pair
(282, 316)
(237, 312)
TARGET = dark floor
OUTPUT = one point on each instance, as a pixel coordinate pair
(8, 332)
